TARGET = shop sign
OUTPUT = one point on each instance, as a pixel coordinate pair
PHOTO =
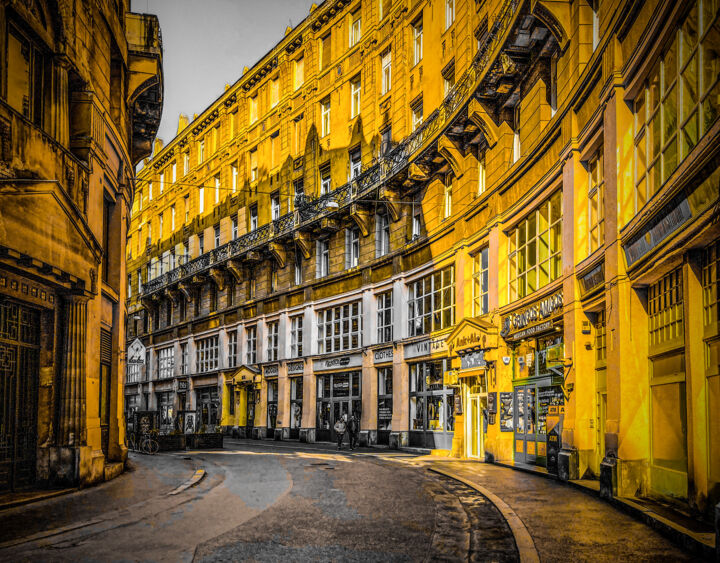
(385, 412)
(593, 279)
(271, 371)
(384, 355)
(295, 367)
(473, 360)
(533, 314)
(506, 412)
(425, 347)
(136, 353)
(353, 360)
(182, 384)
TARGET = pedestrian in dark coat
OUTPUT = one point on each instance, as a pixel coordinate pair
(340, 429)
(354, 431)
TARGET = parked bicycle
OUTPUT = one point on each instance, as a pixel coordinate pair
(145, 444)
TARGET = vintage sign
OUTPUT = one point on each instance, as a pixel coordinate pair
(473, 360)
(425, 347)
(341, 362)
(136, 353)
(593, 279)
(383, 355)
(492, 402)
(182, 384)
(295, 367)
(524, 321)
(271, 371)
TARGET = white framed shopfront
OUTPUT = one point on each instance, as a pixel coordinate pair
(338, 382)
(383, 367)
(432, 404)
(270, 373)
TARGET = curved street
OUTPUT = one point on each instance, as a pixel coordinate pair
(270, 501)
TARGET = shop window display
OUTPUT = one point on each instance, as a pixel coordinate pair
(272, 398)
(338, 394)
(296, 401)
(385, 404)
(431, 405)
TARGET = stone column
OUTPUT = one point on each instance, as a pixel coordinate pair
(72, 423)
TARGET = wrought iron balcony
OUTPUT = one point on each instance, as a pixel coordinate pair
(309, 210)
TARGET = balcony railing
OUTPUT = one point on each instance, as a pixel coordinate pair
(386, 167)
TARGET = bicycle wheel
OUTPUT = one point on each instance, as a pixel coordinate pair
(144, 445)
(153, 446)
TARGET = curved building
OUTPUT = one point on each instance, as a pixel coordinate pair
(483, 227)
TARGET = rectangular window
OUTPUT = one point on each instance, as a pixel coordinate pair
(274, 149)
(298, 278)
(339, 328)
(217, 190)
(166, 362)
(216, 230)
(355, 88)
(355, 29)
(431, 302)
(325, 51)
(133, 373)
(385, 398)
(162, 181)
(252, 284)
(711, 285)
(352, 247)
(274, 92)
(386, 66)
(150, 191)
(665, 310)
(325, 179)
(535, 249)
(299, 72)
(274, 277)
(201, 243)
(139, 281)
(480, 283)
(206, 354)
(355, 163)
(253, 218)
(417, 114)
(385, 317)
(296, 336)
(253, 108)
(201, 200)
(448, 78)
(449, 13)
(251, 340)
(481, 175)
(386, 141)
(186, 201)
(234, 176)
(275, 206)
(201, 151)
(417, 42)
(447, 196)
(28, 74)
(416, 223)
(325, 117)
(129, 286)
(323, 258)
(596, 214)
(272, 341)
(382, 235)
(186, 163)
(160, 225)
(253, 165)
(172, 218)
(184, 359)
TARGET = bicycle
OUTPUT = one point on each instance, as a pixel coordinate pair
(148, 445)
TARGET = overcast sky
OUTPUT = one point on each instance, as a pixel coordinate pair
(206, 44)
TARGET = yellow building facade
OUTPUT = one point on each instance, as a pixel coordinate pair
(484, 227)
(80, 103)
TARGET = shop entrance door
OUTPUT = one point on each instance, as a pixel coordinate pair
(526, 424)
(340, 409)
(19, 351)
(475, 447)
(600, 432)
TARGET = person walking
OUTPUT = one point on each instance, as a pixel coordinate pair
(340, 428)
(353, 431)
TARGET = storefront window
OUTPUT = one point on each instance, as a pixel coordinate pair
(385, 401)
(296, 401)
(431, 404)
(272, 398)
(431, 302)
(338, 394)
(208, 407)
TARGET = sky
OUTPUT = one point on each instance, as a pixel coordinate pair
(206, 44)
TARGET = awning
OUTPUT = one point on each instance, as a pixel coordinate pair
(245, 375)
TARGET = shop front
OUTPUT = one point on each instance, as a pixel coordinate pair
(383, 366)
(535, 338)
(207, 400)
(473, 347)
(272, 407)
(338, 392)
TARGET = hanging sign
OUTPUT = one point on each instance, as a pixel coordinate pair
(529, 321)
(136, 353)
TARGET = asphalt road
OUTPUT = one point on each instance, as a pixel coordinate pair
(265, 502)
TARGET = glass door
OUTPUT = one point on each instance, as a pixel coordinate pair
(526, 424)
(474, 428)
(340, 409)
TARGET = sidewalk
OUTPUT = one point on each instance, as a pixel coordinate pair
(566, 523)
(146, 477)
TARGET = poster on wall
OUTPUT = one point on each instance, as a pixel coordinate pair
(506, 412)
(189, 422)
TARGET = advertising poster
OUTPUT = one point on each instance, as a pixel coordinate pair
(506, 412)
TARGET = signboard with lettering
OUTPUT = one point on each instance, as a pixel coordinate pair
(425, 347)
(182, 384)
(136, 353)
(383, 355)
(531, 320)
(295, 367)
(473, 360)
(341, 362)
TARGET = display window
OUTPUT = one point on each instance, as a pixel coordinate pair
(296, 402)
(272, 399)
(208, 402)
(431, 405)
(338, 394)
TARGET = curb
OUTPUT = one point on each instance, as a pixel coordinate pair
(679, 535)
(38, 498)
(523, 540)
(194, 480)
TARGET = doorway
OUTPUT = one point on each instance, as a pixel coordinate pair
(19, 352)
(338, 394)
(474, 430)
